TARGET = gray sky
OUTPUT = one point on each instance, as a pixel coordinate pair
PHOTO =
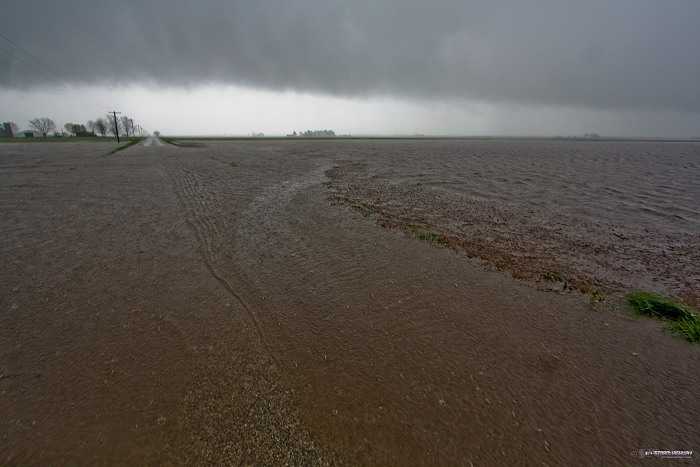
(383, 66)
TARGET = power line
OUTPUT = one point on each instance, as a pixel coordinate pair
(62, 81)
(56, 91)
(24, 75)
(26, 63)
(81, 94)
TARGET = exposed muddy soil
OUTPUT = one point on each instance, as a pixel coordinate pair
(225, 303)
(607, 216)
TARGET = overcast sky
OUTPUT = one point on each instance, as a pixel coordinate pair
(627, 68)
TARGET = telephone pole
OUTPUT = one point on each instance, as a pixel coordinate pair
(116, 123)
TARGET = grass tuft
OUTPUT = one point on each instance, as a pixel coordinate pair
(552, 277)
(595, 295)
(422, 234)
(644, 303)
(685, 322)
(688, 328)
(366, 212)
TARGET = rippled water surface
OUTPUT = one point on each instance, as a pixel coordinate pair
(259, 302)
(618, 215)
(630, 183)
(401, 351)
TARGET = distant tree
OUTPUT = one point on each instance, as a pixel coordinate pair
(43, 125)
(318, 134)
(69, 128)
(92, 126)
(126, 125)
(102, 126)
(112, 125)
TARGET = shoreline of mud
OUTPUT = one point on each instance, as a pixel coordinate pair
(558, 253)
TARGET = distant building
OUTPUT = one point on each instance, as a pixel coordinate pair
(6, 130)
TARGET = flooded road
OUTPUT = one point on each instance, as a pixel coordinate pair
(295, 325)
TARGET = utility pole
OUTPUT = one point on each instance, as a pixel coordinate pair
(116, 123)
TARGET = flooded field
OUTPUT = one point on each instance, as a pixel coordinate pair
(259, 302)
(614, 216)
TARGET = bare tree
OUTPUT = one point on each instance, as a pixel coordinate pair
(127, 125)
(101, 126)
(69, 128)
(113, 125)
(79, 130)
(43, 125)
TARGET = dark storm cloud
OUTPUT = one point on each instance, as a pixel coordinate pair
(634, 54)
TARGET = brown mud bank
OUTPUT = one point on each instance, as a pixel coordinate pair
(535, 233)
(209, 304)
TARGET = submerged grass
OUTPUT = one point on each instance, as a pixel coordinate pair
(657, 306)
(687, 328)
(552, 277)
(595, 295)
(422, 234)
(128, 145)
(366, 212)
(685, 322)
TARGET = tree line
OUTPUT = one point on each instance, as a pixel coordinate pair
(100, 126)
(316, 134)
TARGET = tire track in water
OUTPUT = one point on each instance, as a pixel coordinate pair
(202, 217)
(240, 408)
(262, 218)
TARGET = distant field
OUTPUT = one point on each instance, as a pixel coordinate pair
(171, 138)
(69, 139)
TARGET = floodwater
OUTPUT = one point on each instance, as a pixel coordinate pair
(259, 302)
(613, 215)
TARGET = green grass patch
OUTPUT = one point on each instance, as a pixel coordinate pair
(552, 277)
(423, 234)
(131, 142)
(684, 321)
(644, 303)
(687, 328)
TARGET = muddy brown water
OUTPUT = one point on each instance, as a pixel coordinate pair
(227, 303)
